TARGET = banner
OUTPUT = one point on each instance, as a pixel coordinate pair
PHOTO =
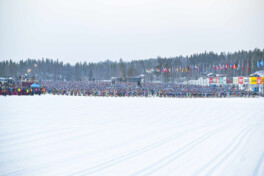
(224, 80)
(210, 80)
(207, 82)
(240, 80)
(214, 80)
(229, 80)
(253, 80)
(246, 80)
(235, 80)
(217, 80)
(221, 80)
(262, 80)
(258, 80)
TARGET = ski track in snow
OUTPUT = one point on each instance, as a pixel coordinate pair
(259, 165)
(232, 147)
(75, 136)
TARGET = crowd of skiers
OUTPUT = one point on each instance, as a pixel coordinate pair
(14, 89)
(125, 89)
(129, 89)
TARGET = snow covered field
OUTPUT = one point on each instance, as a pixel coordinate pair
(75, 136)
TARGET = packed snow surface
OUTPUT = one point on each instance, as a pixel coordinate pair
(76, 136)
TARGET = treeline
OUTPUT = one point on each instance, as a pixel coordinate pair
(153, 68)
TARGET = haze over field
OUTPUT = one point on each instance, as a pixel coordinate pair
(97, 30)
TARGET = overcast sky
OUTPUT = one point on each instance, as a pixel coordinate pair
(96, 30)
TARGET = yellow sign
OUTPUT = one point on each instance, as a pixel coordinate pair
(262, 80)
(253, 80)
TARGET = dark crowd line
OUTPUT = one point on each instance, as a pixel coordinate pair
(125, 89)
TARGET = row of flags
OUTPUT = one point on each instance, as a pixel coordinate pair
(233, 66)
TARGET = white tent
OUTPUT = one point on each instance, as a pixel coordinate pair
(259, 73)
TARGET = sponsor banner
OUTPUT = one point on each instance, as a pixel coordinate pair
(217, 79)
(253, 80)
(235, 80)
(210, 80)
(229, 80)
(221, 80)
(214, 80)
(246, 80)
(240, 80)
(224, 80)
(207, 81)
(258, 80)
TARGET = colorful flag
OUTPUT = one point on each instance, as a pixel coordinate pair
(262, 63)
(226, 66)
(231, 65)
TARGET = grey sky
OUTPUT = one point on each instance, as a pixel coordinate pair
(96, 30)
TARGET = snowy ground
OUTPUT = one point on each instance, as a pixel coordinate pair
(75, 136)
